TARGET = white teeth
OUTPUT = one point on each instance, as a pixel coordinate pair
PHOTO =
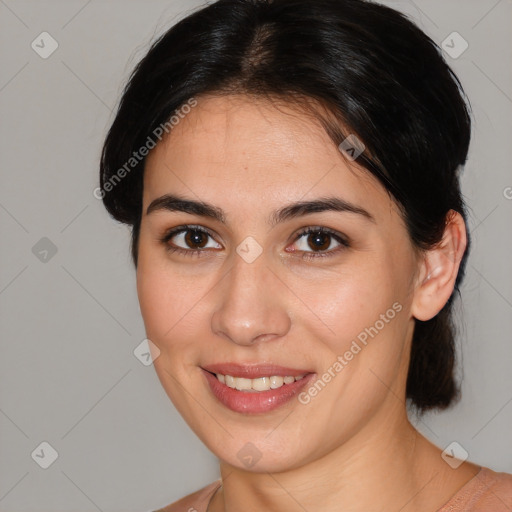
(259, 384)
(230, 381)
(276, 382)
(243, 384)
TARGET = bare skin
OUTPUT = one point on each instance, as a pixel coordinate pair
(352, 446)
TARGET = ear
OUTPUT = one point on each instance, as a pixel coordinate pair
(439, 268)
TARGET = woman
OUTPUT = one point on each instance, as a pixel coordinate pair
(290, 171)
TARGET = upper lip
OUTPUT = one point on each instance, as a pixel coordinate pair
(254, 371)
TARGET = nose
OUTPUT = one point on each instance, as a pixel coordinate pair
(251, 304)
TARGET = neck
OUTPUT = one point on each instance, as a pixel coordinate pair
(391, 468)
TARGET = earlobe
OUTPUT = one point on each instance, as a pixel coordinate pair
(439, 268)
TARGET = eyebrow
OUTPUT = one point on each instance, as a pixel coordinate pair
(173, 203)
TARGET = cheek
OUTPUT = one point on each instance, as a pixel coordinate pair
(366, 312)
(169, 324)
(160, 303)
(374, 345)
(348, 302)
(152, 292)
(173, 310)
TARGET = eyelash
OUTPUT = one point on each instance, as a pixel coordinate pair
(344, 243)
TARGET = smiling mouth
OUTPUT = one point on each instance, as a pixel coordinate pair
(255, 388)
(258, 384)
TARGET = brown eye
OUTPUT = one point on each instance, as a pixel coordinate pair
(319, 241)
(196, 239)
(315, 242)
(189, 240)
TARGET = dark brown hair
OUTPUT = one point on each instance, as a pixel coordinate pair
(374, 72)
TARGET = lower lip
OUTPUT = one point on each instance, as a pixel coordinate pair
(258, 401)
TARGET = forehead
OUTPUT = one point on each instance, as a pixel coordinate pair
(258, 149)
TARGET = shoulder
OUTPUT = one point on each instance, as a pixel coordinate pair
(487, 490)
(193, 502)
(495, 492)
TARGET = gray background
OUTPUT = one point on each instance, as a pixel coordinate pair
(69, 324)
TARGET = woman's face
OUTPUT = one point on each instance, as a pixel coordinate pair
(249, 292)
